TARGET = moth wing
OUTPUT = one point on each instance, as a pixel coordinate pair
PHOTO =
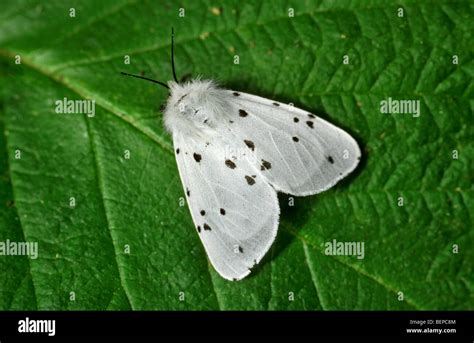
(297, 152)
(235, 210)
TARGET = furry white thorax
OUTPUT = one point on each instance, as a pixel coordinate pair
(194, 106)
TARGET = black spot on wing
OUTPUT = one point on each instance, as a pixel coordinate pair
(250, 144)
(206, 227)
(310, 124)
(265, 165)
(330, 159)
(241, 250)
(188, 192)
(236, 94)
(296, 139)
(276, 104)
(203, 213)
(312, 116)
(177, 151)
(250, 180)
(296, 120)
(199, 229)
(243, 113)
(222, 211)
(230, 164)
(197, 157)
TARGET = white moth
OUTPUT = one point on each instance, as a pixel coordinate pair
(235, 151)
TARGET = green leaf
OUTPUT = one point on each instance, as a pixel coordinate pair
(128, 244)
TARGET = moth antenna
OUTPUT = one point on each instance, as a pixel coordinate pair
(172, 55)
(146, 78)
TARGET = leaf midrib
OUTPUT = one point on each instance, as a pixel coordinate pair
(21, 226)
(100, 187)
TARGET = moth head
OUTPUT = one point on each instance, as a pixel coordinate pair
(189, 102)
(191, 99)
(193, 104)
